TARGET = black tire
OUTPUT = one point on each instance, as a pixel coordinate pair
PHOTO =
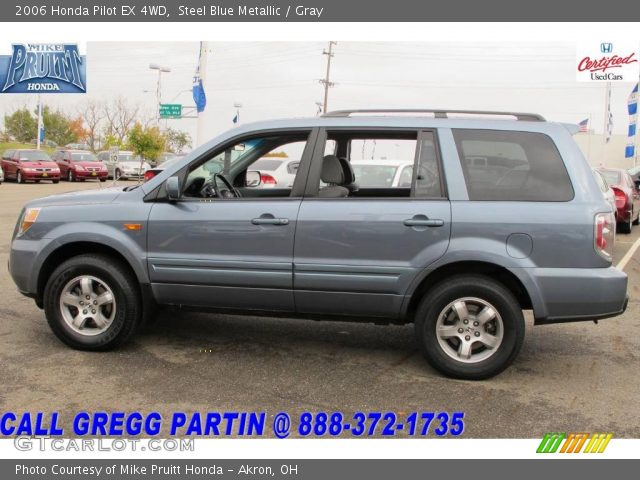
(625, 227)
(488, 290)
(125, 290)
(19, 178)
(102, 180)
(56, 181)
(637, 220)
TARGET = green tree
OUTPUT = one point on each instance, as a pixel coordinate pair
(147, 142)
(177, 140)
(58, 127)
(21, 125)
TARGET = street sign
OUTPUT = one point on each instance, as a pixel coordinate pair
(114, 152)
(170, 110)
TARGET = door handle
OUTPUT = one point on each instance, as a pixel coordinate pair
(270, 220)
(423, 222)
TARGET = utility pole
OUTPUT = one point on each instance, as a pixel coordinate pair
(326, 82)
(201, 74)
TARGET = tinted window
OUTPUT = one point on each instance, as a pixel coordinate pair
(611, 176)
(512, 166)
(31, 156)
(266, 164)
(427, 178)
(83, 157)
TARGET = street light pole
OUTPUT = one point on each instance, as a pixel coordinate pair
(161, 70)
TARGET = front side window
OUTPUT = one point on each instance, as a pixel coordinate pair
(257, 164)
(512, 166)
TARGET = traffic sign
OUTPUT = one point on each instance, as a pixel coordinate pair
(170, 110)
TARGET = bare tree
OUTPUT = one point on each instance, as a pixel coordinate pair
(119, 118)
(93, 115)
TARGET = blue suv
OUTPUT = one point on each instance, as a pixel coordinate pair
(492, 214)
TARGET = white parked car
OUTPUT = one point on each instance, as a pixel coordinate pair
(383, 173)
(127, 167)
(276, 172)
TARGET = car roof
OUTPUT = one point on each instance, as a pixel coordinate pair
(392, 163)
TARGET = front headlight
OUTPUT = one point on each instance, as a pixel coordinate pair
(28, 219)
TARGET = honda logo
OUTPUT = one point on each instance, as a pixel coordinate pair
(606, 47)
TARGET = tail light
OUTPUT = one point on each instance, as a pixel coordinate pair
(604, 234)
(148, 175)
(267, 179)
(621, 197)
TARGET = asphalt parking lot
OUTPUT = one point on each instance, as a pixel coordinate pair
(573, 377)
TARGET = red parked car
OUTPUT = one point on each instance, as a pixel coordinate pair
(627, 197)
(29, 165)
(80, 165)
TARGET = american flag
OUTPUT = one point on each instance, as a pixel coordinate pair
(584, 125)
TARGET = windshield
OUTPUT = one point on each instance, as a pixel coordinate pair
(611, 176)
(380, 176)
(83, 157)
(33, 156)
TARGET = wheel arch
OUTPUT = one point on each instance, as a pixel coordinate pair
(500, 273)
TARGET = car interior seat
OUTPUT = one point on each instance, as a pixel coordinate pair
(333, 174)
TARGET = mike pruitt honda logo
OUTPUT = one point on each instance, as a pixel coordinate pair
(43, 68)
(609, 61)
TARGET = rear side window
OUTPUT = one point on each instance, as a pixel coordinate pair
(512, 166)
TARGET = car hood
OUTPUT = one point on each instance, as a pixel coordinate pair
(39, 164)
(79, 197)
(134, 164)
(89, 164)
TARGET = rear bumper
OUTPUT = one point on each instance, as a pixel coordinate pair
(574, 295)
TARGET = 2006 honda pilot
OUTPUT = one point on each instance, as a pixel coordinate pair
(497, 213)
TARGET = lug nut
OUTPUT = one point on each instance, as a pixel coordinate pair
(477, 334)
(465, 321)
(81, 302)
(93, 311)
(467, 338)
(475, 324)
(84, 311)
(87, 297)
(460, 330)
(95, 302)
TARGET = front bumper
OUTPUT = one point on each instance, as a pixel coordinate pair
(579, 294)
(89, 175)
(40, 176)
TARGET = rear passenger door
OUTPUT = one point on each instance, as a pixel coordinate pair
(358, 255)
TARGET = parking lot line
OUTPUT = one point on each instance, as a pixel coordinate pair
(628, 255)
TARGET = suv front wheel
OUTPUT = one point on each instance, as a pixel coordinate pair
(469, 327)
(92, 302)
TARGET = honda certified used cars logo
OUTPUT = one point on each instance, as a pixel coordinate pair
(608, 61)
(43, 68)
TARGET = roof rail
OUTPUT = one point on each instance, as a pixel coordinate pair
(438, 113)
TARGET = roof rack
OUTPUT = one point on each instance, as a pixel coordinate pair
(532, 117)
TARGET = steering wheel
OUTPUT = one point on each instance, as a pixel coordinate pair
(212, 188)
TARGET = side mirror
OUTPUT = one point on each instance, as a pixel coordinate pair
(172, 186)
(253, 179)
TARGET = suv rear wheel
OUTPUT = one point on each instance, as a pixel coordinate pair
(469, 327)
(92, 303)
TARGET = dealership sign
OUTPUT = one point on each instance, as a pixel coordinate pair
(43, 68)
(610, 61)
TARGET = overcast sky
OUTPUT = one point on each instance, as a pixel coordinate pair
(280, 79)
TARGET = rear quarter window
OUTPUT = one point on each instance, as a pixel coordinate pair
(512, 166)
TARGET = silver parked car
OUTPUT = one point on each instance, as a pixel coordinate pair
(127, 166)
(499, 217)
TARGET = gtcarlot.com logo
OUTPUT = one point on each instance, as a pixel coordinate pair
(574, 443)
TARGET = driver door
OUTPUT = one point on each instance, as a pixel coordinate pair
(226, 253)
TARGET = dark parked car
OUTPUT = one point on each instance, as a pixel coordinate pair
(627, 197)
(24, 165)
(499, 217)
(80, 165)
